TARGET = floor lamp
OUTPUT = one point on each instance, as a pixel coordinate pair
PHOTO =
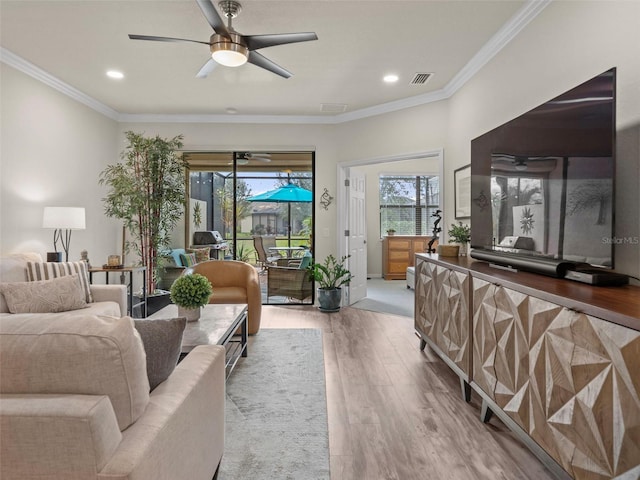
(62, 218)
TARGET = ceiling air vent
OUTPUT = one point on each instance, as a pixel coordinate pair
(333, 107)
(420, 78)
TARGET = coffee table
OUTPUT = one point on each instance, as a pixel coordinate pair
(218, 325)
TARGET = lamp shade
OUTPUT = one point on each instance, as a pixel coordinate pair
(70, 218)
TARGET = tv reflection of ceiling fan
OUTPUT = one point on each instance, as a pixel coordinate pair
(522, 163)
(229, 47)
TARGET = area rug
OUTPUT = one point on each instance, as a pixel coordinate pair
(276, 410)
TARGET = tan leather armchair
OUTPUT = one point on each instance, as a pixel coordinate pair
(234, 282)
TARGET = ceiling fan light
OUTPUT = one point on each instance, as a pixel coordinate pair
(228, 52)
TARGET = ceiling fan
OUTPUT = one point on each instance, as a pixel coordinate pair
(522, 163)
(243, 158)
(230, 48)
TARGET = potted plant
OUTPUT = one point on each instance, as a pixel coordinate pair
(460, 234)
(330, 275)
(147, 192)
(191, 292)
(391, 232)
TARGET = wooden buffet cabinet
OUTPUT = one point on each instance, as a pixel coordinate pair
(398, 253)
(557, 361)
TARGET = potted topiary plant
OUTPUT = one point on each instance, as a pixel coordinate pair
(191, 292)
(147, 192)
(330, 275)
(460, 234)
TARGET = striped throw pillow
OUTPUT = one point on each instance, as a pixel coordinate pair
(48, 270)
(188, 259)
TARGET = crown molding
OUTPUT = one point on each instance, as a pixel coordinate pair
(37, 73)
(214, 118)
(497, 42)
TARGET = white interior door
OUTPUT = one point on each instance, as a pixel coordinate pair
(356, 238)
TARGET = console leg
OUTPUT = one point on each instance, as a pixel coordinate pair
(466, 390)
(423, 343)
(485, 413)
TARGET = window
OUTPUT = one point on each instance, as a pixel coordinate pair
(407, 203)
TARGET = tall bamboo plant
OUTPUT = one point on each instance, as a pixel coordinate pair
(147, 192)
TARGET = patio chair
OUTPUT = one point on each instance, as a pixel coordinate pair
(261, 245)
(287, 280)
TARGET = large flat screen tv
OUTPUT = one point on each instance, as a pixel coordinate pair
(542, 184)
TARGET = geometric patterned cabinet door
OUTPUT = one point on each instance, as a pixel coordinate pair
(596, 425)
(442, 312)
(571, 381)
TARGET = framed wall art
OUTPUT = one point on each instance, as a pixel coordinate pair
(462, 192)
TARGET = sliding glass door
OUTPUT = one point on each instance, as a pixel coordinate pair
(243, 195)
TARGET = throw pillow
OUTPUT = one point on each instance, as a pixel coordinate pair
(188, 259)
(162, 340)
(306, 260)
(50, 270)
(44, 296)
(201, 253)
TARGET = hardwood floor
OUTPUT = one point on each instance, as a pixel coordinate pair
(397, 413)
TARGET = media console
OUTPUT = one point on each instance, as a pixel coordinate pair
(556, 361)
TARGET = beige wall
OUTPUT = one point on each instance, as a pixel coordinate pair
(567, 44)
(53, 149)
(50, 136)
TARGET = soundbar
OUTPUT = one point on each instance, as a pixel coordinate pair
(542, 265)
(576, 271)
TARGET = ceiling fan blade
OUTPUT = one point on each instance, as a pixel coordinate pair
(207, 68)
(164, 39)
(213, 17)
(255, 42)
(264, 62)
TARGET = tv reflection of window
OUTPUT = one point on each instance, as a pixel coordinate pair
(518, 204)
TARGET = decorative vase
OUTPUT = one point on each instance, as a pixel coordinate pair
(191, 314)
(464, 249)
(448, 250)
(329, 299)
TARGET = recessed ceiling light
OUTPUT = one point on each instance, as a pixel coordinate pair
(115, 74)
(390, 78)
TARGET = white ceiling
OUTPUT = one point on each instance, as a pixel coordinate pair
(359, 42)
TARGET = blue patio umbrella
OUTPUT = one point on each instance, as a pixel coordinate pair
(289, 194)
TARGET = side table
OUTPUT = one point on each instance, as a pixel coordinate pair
(122, 271)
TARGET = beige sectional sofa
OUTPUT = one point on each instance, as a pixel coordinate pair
(107, 299)
(75, 402)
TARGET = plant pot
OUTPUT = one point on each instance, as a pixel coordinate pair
(448, 250)
(155, 302)
(191, 314)
(329, 300)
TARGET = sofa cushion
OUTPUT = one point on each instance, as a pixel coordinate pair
(201, 253)
(44, 296)
(175, 254)
(306, 260)
(162, 340)
(49, 270)
(88, 355)
(12, 269)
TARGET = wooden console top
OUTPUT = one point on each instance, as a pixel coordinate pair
(620, 305)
